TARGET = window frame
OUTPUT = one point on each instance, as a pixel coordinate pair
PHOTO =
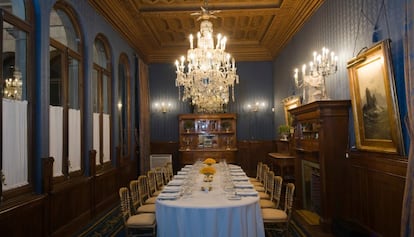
(26, 26)
(100, 73)
(66, 54)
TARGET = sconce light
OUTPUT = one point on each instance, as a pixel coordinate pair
(163, 107)
(256, 106)
(119, 106)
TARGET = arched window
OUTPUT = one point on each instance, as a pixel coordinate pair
(16, 78)
(65, 92)
(101, 97)
(123, 105)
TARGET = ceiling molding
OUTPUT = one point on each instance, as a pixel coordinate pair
(158, 29)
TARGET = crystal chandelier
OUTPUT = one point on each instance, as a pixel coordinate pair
(208, 75)
(320, 67)
(13, 86)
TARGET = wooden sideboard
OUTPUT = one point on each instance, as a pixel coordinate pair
(207, 135)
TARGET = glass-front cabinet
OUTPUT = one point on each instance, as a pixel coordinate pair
(207, 135)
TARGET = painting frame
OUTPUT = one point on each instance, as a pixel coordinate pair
(290, 103)
(374, 101)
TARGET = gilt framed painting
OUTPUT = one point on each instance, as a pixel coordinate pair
(290, 103)
(374, 101)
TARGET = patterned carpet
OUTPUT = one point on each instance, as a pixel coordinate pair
(110, 224)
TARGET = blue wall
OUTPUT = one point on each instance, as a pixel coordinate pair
(345, 27)
(256, 84)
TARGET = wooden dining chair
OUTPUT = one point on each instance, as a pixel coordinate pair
(170, 171)
(274, 200)
(152, 183)
(143, 224)
(261, 187)
(137, 204)
(256, 180)
(159, 175)
(143, 191)
(269, 186)
(279, 219)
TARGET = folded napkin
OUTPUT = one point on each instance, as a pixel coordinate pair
(175, 182)
(180, 176)
(167, 196)
(186, 169)
(238, 173)
(246, 192)
(188, 166)
(243, 185)
(182, 172)
(171, 189)
(240, 178)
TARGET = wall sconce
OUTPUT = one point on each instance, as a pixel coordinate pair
(163, 107)
(256, 106)
(119, 106)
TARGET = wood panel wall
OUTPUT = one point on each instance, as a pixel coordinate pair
(376, 189)
(67, 206)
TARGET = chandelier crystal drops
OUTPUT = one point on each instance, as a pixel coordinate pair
(208, 75)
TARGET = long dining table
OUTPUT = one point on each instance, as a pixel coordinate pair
(228, 206)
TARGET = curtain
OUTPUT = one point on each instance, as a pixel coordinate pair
(74, 140)
(96, 136)
(56, 138)
(144, 117)
(407, 218)
(106, 138)
(15, 161)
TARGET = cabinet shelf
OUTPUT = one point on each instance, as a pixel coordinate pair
(211, 135)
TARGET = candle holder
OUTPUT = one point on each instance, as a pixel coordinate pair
(313, 80)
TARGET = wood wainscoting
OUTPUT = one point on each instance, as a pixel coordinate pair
(251, 152)
(66, 206)
(376, 190)
(169, 147)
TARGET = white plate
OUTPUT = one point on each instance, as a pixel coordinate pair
(246, 193)
(171, 189)
(176, 182)
(167, 196)
(233, 197)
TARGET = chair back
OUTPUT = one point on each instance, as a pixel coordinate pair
(270, 183)
(263, 173)
(152, 182)
(143, 190)
(159, 174)
(277, 190)
(125, 203)
(259, 170)
(289, 196)
(166, 175)
(170, 171)
(133, 187)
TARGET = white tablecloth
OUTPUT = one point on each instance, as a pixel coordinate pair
(209, 214)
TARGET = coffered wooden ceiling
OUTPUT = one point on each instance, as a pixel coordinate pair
(158, 29)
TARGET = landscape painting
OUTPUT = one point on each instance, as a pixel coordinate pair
(374, 101)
